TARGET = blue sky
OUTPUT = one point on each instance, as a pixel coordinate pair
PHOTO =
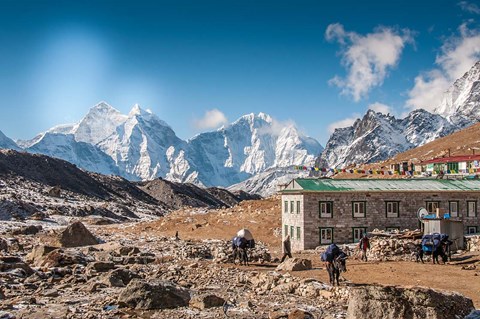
(198, 64)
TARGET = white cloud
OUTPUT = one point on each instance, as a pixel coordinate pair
(343, 123)
(367, 58)
(380, 107)
(457, 55)
(469, 7)
(211, 120)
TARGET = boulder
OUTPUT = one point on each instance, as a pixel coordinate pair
(300, 314)
(206, 301)
(61, 258)
(101, 266)
(27, 230)
(153, 295)
(77, 235)
(3, 245)
(295, 264)
(119, 277)
(406, 303)
(55, 191)
(13, 263)
(38, 252)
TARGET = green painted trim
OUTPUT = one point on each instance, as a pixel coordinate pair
(364, 208)
(319, 210)
(469, 227)
(364, 230)
(320, 234)
(458, 207)
(398, 208)
(476, 207)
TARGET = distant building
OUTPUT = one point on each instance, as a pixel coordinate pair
(321, 211)
(464, 164)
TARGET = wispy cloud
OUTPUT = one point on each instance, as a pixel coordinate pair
(212, 119)
(469, 7)
(367, 58)
(457, 55)
(382, 108)
(343, 123)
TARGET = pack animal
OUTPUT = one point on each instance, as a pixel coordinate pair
(335, 263)
(239, 247)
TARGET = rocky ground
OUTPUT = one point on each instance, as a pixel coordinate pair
(127, 273)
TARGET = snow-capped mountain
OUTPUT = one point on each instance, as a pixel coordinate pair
(266, 183)
(461, 102)
(249, 146)
(140, 146)
(84, 155)
(6, 142)
(378, 136)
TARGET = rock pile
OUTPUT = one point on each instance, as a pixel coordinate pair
(473, 243)
(383, 249)
(378, 302)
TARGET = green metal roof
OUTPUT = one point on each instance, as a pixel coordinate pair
(361, 185)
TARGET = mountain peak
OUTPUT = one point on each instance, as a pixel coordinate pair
(103, 107)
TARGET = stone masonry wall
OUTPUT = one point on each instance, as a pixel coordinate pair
(343, 221)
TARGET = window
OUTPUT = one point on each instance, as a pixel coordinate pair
(325, 209)
(298, 207)
(358, 209)
(298, 233)
(286, 230)
(358, 233)
(432, 207)
(291, 232)
(326, 236)
(292, 207)
(392, 229)
(471, 208)
(285, 206)
(471, 229)
(453, 208)
(391, 209)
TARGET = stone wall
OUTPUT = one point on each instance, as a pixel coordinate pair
(343, 221)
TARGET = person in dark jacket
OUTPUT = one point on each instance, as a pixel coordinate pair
(287, 248)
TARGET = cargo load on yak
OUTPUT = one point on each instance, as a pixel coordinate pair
(246, 235)
(331, 253)
(431, 242)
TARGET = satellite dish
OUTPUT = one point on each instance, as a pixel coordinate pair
(421, 213)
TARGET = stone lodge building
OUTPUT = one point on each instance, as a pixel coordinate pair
(321, 211)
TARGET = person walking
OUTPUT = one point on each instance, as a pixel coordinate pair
(364, 245)
(287, 248)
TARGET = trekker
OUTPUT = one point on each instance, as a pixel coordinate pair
(287, 248)
(364, 244)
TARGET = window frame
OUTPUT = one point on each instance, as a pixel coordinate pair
(386, 208)
(432, 201)
(285, 227)
(298, 233)
(320, 235)
(292, 206)
(475, 228)
(328, 204)
(298, 207)
(364, 203)
(450, 207)
(285, 210)
(292, 228)
(364, 230)
(468, 208)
